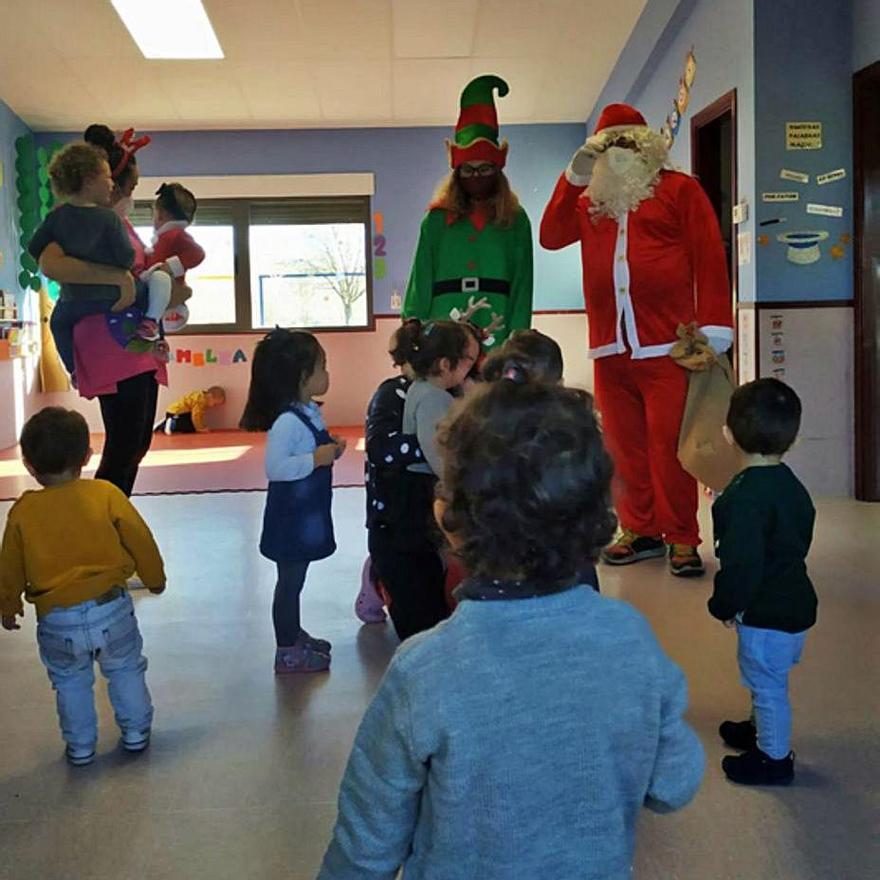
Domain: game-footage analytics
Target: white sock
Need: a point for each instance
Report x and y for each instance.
(159, 295)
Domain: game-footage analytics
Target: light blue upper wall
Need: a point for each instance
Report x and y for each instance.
(11, 127)
(804, 69)
(866, 33)
(408, 163)
(721, 34)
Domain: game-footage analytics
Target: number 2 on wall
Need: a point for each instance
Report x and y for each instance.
(379, 246)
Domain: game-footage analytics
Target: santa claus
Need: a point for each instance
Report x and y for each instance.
(653, 258)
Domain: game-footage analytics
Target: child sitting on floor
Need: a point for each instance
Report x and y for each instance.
(520, 738)
(187, 415)
(70, 548)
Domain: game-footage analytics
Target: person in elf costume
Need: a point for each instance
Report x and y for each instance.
(653, 259)
(474, 255)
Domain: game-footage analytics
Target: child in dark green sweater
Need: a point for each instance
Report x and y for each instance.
(763, 529)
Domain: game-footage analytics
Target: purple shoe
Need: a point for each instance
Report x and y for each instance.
(300, 659)
(322, 646)
(368, 606)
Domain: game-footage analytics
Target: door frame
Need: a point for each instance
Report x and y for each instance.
(865, 375)
(725, 104)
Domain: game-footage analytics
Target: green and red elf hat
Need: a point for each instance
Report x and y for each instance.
(476, 134)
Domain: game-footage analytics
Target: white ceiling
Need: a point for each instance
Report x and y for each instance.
(312, 63)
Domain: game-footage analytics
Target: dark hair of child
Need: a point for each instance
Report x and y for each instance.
(536, 356)
(402, 341)
(55, 440)
(764, 417)
(103, 137)
(433, 342)
(527, 482)
(283, 360)
(177, 201)
(72, 166)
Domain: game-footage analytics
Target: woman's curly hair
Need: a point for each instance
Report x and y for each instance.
(526, 482)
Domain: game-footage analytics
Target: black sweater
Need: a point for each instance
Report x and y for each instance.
(763, 529)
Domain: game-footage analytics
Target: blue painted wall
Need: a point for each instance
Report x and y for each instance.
(803, 58)
(721, 34)
(866, 33)
(408, 164)
(11, 127)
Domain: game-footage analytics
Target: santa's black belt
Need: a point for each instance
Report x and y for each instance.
(471, 285)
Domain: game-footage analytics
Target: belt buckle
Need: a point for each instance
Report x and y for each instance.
(470, 285)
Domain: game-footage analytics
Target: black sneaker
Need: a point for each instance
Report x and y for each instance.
(756, 768)
(630, 548)
(739, 734)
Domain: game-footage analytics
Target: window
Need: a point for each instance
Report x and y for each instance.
(299, 262)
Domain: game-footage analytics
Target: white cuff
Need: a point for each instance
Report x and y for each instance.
(176, 267)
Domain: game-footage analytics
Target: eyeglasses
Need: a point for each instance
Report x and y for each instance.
(485, 170)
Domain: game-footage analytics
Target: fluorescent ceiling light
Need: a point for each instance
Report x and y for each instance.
(169, 28)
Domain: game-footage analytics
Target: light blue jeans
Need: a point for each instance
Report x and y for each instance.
(765, 657)
(70, 641)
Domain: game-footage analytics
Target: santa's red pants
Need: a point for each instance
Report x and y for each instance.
(642, 403)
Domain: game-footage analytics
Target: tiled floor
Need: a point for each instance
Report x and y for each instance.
(242, 776)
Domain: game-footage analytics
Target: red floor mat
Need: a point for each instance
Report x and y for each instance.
(221, 461)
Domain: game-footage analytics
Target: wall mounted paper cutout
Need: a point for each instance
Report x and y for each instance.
(803, 247)
(831, 176)
(744, 248)
(780, 197)
(796, 176)
(669, 129)
(776, 322)
(740, 213)
(837, 251)
(825, 210)
(772, 221)
(396, 300)
(845, 238)
(779, 373)
(209, 356)
(803, 135)
(763, 240)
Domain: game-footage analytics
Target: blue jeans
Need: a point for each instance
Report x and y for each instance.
(765, 657)
(70, 641)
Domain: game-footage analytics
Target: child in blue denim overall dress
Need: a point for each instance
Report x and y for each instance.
(70, 548)
(289, 369)
(763, 529)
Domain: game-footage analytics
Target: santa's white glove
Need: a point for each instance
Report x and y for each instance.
(581, 166)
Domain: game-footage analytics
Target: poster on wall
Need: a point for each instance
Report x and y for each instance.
(669, 129)
(803, 135)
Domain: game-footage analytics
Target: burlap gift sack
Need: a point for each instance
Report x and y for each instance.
(702, 449)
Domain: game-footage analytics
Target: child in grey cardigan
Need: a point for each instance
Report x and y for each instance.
(521, 737)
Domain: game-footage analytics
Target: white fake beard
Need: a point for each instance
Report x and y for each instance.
(613, 194)
(124, 207)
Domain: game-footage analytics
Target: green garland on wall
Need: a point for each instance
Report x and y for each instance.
(34, 202)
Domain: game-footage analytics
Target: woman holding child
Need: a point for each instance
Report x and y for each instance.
(126, 383)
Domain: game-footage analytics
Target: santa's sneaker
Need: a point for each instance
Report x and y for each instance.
(757, 768)
(684, 561)
(300, 659)
(630, 548)
(739, 734)
(369, 606)
(148, 330)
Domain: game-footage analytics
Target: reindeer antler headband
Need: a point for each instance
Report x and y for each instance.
(129, 147)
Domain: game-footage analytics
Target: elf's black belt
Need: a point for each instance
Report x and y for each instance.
(471, 285)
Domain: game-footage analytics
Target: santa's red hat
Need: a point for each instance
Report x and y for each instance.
(619, 117)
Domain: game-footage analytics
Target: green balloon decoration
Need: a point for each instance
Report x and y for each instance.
(54, 289)
(42, 156)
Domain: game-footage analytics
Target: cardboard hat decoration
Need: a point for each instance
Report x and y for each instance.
(476, 134)
(619, 117)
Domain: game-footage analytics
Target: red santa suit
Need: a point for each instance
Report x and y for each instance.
(645, 272)
(173, 245)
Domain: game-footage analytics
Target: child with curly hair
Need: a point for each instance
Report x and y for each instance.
(521, 737)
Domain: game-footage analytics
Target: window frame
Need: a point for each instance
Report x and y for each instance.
(240, 212)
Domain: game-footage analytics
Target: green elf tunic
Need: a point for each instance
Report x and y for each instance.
(459, 263)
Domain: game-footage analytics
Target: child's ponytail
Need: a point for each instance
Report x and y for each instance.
(434, 341)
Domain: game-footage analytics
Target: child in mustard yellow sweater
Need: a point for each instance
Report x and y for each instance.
(187, 415)
(69, 549)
